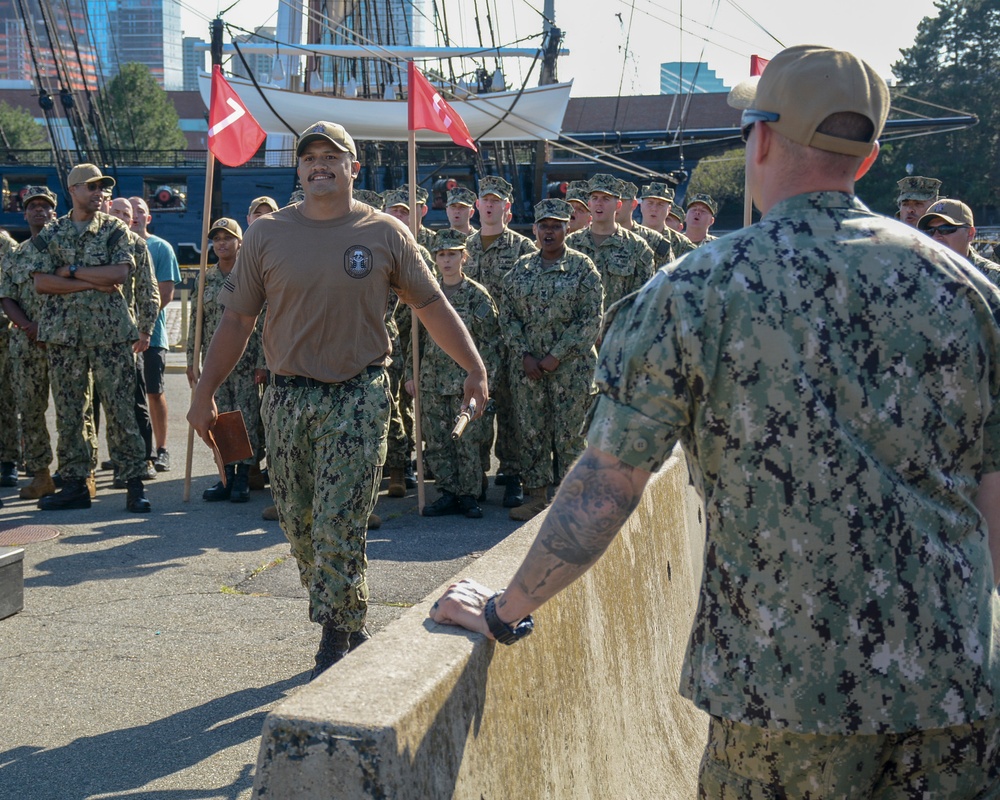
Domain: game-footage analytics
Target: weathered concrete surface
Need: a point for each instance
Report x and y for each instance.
(585, 707)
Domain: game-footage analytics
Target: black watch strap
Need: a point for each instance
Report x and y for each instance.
(502, 632)
(72, 270)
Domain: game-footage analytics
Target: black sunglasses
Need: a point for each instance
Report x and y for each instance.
(944, 230)
(752, 115)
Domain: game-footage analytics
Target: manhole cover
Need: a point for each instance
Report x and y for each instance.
(26, 534)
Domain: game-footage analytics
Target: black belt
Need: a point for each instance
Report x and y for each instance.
(302, 382)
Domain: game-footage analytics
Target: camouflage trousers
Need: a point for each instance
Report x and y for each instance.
(456, 463)
(400, 444)
(550, 414)
(10, 436)
(326, 446)
(112, 368)
(238, 392)
(31, 393)
(507, 435)
(745, 762)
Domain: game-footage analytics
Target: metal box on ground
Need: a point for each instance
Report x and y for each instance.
(11, 580)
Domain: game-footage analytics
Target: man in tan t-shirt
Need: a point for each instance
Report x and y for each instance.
(325, 268)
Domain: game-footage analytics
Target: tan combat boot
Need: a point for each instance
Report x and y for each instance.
(91, 485)
(532, 506)
(397, 482)
(41, 485)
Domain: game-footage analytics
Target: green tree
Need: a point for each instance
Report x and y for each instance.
(20, 131)
(722, 177)
(139, 113)
(953, 64)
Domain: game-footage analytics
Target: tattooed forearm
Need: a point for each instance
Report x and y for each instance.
(595, 499)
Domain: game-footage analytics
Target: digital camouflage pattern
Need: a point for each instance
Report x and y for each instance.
(10, 446)
(326, 447)
(663, 252)
(624, 260)
(833, 378)
(745, 762)
(28, 359)
(95, 317)
(555, 310)
(398, 447)
(488, 265)
(679, 243)
(238, 392)
(708, 238)
(457, 464)
(985, 266)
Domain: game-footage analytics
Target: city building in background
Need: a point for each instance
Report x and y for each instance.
(689, 77)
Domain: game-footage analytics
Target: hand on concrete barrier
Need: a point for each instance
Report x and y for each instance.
(462, 605)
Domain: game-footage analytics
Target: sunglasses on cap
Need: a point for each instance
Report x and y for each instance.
(752, 115)
(945, 230)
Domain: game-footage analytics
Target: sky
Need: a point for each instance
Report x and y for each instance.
(617, 46)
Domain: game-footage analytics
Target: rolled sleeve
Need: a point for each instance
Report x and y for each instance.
(629, 435)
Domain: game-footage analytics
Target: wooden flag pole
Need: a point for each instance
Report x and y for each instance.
(418, 438)
(200, 313)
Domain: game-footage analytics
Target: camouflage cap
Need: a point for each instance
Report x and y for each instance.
(330, 132)
(374, 199)
(89, 173)
(297, 196)
(448, 239)
(917, 187)
(659, 190)
(629, 190)
(704, 199)
(460, 196)
(421, 195)
(605, 184)
(954, 212)
(578, 192)
(228, 225)
(396, 197)
(494, 184)
(673, 212)
(38, 193)
(553, 208)
(257, 202)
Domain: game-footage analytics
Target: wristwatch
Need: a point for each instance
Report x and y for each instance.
(502, 632)
(72, 270)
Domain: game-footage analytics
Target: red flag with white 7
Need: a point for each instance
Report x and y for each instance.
(429, 111)
(233, 134)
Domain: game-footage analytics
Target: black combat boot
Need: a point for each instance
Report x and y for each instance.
(470, 507)
(240, 490)
(220, 492)
(513, 492)
(447, 503)
(74, 494)
(333, 646)
(135, 499)
(8, 473)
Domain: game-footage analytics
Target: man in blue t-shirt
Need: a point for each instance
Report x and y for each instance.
(167, 274)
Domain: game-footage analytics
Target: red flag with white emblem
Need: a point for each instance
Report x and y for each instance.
(429, 111)
(233, 134)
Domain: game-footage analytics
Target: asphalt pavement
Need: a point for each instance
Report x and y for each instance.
(151, 647)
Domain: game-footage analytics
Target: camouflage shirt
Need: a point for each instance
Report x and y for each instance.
(7, 246)
(425, 237)
(553, 309)
(91, 317)
(439, 374)
(253, 355)
(833, 377)
(985, 266)
(623, 259)
(678, 241)
(708, 238)
(17, 282)
(489, 266)
(143, 295)
(663, 249)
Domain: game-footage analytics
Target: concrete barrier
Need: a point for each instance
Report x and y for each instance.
(585, 707)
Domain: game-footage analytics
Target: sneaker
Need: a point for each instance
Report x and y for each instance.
(162, 461)
(150, 473)
(447, 503)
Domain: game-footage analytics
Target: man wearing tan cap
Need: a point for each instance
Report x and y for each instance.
(916, 195)
(951, 223)
(325, 267)
(832, 378)
(28, 362)
(89, 276)
(260, 206)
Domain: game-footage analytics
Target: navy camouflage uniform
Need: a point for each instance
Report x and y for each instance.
(623, 259)
(10, 440)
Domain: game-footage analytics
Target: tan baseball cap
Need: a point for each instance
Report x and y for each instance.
(227, 225)
(803, 85)
(954, 212)
(330, 132)
(263, 201)
(89, 173)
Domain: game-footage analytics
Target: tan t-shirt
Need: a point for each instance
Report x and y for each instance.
(326, 284)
